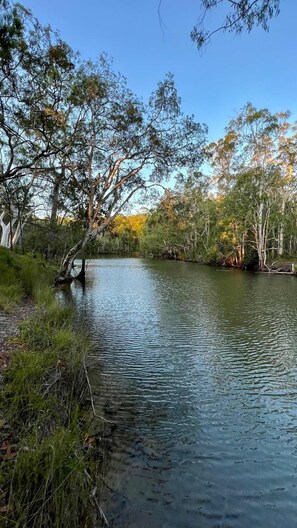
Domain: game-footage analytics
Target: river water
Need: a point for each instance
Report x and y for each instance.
(197, 367)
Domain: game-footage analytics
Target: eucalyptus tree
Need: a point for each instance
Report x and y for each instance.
(36, 121)
(287, 164)
(123, 146)
(236, 16)
(32, 98)
(164, 232)
(257, 156)
(196, 211)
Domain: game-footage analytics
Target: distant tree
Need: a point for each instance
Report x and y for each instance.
(255, 169)
(181, 225)
(128, 229)
(237, 16)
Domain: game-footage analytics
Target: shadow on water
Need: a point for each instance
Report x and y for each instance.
(197, 366)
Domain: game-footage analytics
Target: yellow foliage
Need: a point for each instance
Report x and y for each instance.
(219, 198)
(133, 224)
(58, 116)
(182, 225)
(228, 236)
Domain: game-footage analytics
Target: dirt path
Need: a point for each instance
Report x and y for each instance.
(9, 323)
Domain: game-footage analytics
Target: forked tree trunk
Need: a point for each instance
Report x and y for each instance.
(261, 231)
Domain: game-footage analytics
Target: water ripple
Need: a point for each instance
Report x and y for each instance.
(198, 367)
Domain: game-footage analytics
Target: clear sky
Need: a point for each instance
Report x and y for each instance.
(215, 84)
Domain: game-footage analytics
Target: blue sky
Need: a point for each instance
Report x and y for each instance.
(215, 84)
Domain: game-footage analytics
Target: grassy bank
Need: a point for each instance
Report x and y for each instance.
(48, 448)
(21, 276)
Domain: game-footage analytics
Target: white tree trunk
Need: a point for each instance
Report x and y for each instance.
(6, 230)
(281, 229)
(5, 235)
(9, 236)
(18, 231)
(16, 235)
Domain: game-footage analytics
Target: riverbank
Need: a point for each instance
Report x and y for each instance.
(50, 449)
(281, 266)
(284, 267)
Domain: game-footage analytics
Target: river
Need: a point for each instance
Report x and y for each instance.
(197, 366)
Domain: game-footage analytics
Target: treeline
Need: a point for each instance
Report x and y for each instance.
(76, 144)
(122, 236)
(244, 214)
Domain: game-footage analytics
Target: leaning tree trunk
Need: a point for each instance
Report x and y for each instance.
(65, 273)
(16, 235)
(18, 232)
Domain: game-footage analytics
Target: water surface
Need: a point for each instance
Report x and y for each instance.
(198, 367)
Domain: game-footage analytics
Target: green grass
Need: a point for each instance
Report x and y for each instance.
(49, 466)
(20, 276)
(9, 296)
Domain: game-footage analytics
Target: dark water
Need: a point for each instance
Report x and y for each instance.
(199, 368)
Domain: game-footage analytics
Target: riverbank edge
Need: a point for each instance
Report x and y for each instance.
(276, 267)
(51, 454)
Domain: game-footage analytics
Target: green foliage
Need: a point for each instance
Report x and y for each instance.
(254, 212)
(183, 225)
(10, 295)
(100, 144)
(50, 241)
(11, 28)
